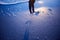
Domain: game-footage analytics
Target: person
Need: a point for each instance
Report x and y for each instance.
(31, 6)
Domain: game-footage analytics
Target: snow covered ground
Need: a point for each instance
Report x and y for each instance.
(16, 23)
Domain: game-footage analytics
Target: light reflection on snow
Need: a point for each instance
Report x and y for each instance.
(43, 10)
(41, 2)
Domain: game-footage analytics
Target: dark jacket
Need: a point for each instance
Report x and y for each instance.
(31, 1)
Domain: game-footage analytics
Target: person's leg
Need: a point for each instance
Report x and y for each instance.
(30, 7)
(33, 8)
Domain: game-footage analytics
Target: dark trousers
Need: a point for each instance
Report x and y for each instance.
(31, 7)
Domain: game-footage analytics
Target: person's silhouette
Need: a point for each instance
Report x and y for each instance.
(31, 6)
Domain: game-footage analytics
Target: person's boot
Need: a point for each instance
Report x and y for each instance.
(31, 12)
